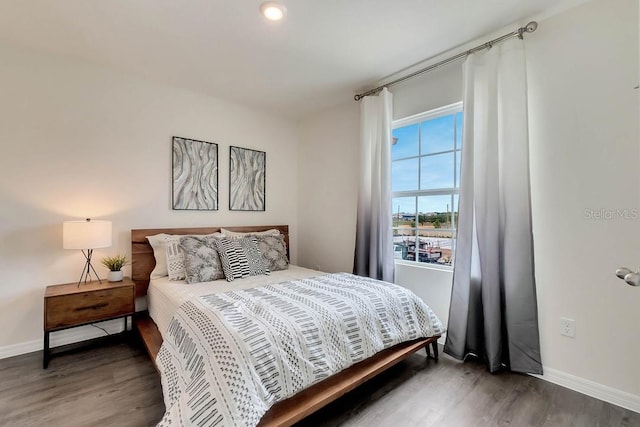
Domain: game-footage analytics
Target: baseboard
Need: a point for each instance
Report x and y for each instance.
(67, 336)
(593, 389)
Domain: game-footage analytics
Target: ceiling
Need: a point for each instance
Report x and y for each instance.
(318, 57)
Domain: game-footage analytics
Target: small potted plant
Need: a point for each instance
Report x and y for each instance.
(115, 264)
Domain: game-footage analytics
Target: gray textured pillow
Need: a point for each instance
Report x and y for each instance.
(159, 244)
(240, 258)
(238, 234)
(274, 252)
(201, 260)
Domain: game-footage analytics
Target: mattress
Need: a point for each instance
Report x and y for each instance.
(165, 296)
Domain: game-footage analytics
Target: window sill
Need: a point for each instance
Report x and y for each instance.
(426, 266)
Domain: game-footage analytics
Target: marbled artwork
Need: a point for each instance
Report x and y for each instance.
(247, 169)
(195, 174)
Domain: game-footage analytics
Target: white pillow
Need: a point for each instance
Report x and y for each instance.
(159, 244)
(237, 235)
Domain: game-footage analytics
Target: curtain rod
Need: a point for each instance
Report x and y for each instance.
(529, 28)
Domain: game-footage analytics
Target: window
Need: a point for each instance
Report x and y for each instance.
(425, 177)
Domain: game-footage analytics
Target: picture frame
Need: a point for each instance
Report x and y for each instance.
(194, 174)
(247, 179)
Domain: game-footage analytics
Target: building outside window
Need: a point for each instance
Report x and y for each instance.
(425, 176)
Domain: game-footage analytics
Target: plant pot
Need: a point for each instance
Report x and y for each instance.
(115, 276)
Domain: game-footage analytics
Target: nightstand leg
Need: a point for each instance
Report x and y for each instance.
(45, 351)
(125, 323)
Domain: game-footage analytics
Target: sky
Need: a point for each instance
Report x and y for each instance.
(431, 172)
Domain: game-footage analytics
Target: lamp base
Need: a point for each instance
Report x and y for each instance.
(88, 268)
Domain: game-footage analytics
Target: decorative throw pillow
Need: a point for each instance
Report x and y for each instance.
(201, 260)
(274, 252)
(236, 234)
(175, 259)
(159, 244)
(240, 258)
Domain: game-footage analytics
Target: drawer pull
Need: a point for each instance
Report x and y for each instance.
(92, 307)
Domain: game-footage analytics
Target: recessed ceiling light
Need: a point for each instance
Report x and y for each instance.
(273, 11)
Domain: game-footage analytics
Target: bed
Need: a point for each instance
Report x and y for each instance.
(292, 409)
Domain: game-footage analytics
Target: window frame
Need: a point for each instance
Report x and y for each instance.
(451, 109)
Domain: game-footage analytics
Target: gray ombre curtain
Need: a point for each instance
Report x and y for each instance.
(493, 312)
(374, 238)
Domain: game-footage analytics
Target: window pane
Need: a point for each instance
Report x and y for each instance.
(458, 130)
(458, 158)
(404, 175)
(434, 246)
(404, 212)
(437, 135)
(436, 172)
(405, 142)
(435, 229)
(404, 244)
(434, 211)
(455, 211)
(404, 223)
(455, 226)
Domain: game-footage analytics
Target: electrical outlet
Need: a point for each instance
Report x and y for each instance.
(317, 267)
(567, 327)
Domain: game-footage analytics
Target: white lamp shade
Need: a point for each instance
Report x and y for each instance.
(87, 234)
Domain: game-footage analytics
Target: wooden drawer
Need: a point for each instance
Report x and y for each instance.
(78, 308)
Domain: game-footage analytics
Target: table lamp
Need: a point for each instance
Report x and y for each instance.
(86, 235)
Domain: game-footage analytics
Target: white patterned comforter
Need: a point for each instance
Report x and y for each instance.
(228, 357)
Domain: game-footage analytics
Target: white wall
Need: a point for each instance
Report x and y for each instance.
(327, 185)
(582, 67)
(432, 284)
(584, 115)
(81, 141)
(442, 86)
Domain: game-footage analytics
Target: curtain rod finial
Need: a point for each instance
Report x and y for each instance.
(529, 28)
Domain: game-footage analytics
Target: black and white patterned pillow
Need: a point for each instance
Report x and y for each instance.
(201, 260)
(240, 258)
(274, 252)
(175, 259)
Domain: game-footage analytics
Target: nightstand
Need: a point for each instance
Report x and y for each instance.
(69, 305)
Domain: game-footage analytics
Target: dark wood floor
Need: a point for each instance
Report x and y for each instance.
(112, 383)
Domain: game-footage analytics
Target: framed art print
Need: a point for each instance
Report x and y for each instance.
(247, 170)
(195, 174)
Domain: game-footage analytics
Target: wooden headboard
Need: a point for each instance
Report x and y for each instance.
(143, 261)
